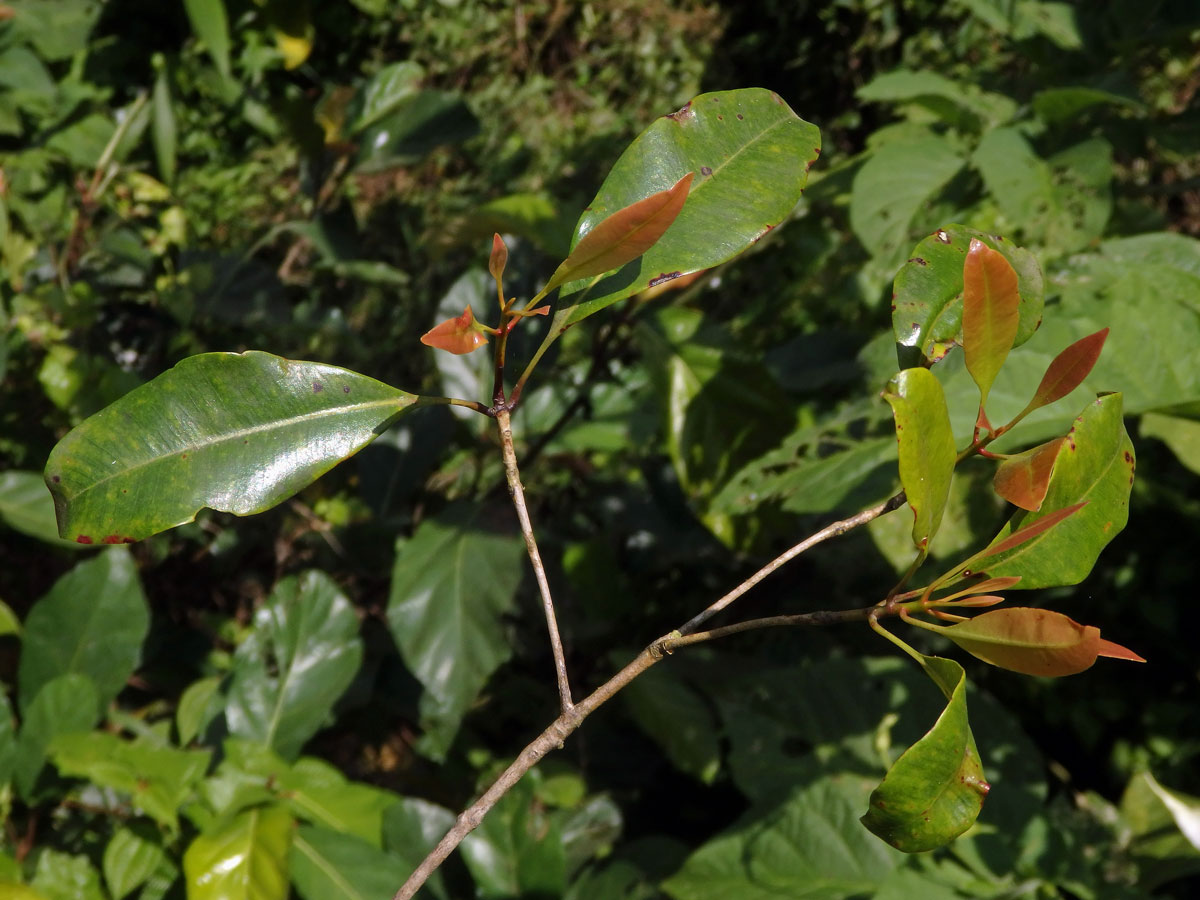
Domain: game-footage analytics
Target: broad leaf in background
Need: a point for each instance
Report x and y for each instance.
(327, 865)
(27, 507)
(411, 828)
(66, 705)
(891, 188)
(92, 622)
(132, 856)
(991, 314)
(302, 654)
(1096, 466)
(1180, 433)
(452, 582)
(387, 89)
(927, 312)
(1165, 831)
(623, 236)
(517, 850)
(1024, 478)
(235, 432)
(245, 859)
(65, 876)
(810, 846)
(158, 779)
(935, 790)
(751, 156)
(211, 25)
(927, 451)
(1034, 642)
(416, 124)
(678, 719)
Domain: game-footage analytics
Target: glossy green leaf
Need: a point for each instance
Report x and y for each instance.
(131, 857)
(517, 850)
(301, 656)
(236, 432)
(891, 188)
(66, 705)
(1097, 466)
(1024, 478)
(452, 582)
(927, 309)
(1033, 641)
(92, 622)
(418, 124)
(751, 155)
(808, 846)
(935, 790)
(326, 865)
(991, 312)
(624, 235)
(678, 719)
(246, 859)
(926, 444)
(317, 792)
(158, 779)
(26, 506)
(211, 25)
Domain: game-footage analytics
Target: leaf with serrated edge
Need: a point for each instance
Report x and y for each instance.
(623, 236)
(991, 313)
(935, 790)
(927, 451)
(234, 432)
(1023, 478)
(1032, 641)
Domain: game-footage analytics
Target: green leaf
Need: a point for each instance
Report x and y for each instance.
(810, 847)
(1165, 831)
(517, 850)
(677, 718)
(91, 622)
(245, 859)
(317, 792)
(387, 89)
(326, 865)
(927, 308)
(751, 155)
(416, 125)
(990, 314)
(1055, 105)
(301, 656)
(411, 828)
(927, 451)
(164, 134)
(157, 779)
(131, 857)
(891, 188)
(211, 25)
(198, 706)
(452, 582)
(1096, 466)
(26, 506)
(8, 741)
(236, 432)
(959, 104)
(65, 876)
(935, 790)
(1181, 435)
(63, 706)
(624, 236)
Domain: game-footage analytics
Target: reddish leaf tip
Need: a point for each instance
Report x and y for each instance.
(458, 335)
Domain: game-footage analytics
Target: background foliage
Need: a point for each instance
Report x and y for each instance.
(315, 690)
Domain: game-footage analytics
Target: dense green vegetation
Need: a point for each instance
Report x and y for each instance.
(321, 687)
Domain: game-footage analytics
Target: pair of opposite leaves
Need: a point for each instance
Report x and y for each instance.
(615, 241)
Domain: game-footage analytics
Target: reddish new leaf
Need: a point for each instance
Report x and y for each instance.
(1068, 370)
(1033, 641)
(1045, 523)
(499, 258)
(623, 236)
(991, 314)
(1023, 478)
(458, 335)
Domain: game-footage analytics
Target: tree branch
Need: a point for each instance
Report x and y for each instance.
(572, 716)
(833, 530)
(504, 422)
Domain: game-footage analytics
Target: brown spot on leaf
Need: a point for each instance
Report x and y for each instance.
(682, 114)
(740, 117)
(116, 539)
(942, 236)
(917, 260)
(318, 387)
(1128, 457)
(705, 170)
(83, 539)
(56, 479)
(345, 389)
(663, 278)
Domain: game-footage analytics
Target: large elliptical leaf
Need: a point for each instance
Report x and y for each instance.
(935, 790)
(244, 859)
(235, 432)
(927, 306)
(927, 451)
(1095, 466)
(750, 154)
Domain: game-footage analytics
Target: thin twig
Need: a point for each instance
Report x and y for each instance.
(833, 530)
(504, 423)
